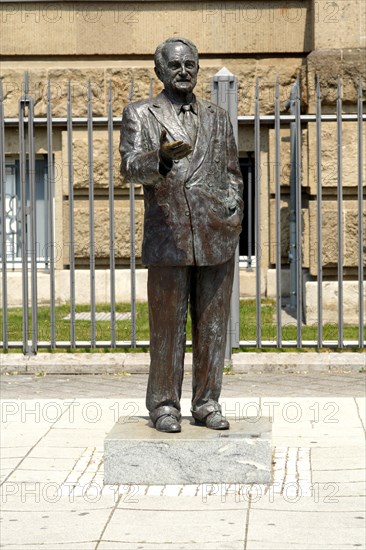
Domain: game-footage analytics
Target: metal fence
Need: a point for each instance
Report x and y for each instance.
(28, 125)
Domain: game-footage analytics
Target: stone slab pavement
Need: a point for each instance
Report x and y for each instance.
(53, 498)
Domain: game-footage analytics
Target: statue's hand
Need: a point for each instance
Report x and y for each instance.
(174, 149)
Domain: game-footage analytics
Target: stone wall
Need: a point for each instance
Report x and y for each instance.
(339, 24)
(100, 161)
(122, 73)
(101, 229)
(135, 28)
(327, 64)
(350, 65)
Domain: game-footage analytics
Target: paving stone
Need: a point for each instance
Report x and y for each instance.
(68, 525)
(348, 456)
(38, 476)
(167, 527)
(56, 452)
(340, 475)
(47, 464)
(361, 408)
(212, 545)
(52, 546)
(303, 528)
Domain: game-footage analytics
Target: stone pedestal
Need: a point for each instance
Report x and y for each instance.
(134, 452)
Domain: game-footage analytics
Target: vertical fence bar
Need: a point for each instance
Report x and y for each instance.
(291, 104)
(51, 234)
(33, 224)
(71, 218)
(257, 199)
(112, 263)
(4, 286)
(91, 218)
(249, 210)
(132, 250)
(278, 216)
(298, 216)
(360, 219)
(340, 214)
(319, 217)
(23, 215)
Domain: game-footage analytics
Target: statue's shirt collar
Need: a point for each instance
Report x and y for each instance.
(178, 105)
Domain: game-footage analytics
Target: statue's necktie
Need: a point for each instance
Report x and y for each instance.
(189, 120)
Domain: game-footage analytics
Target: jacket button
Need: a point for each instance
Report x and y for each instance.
(187, 186)
(176, 161)
(187, 213)
(217, 159)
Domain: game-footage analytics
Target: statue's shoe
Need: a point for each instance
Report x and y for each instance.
(214, 421)
(167, 423)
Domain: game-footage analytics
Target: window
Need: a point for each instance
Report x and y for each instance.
(13, 212)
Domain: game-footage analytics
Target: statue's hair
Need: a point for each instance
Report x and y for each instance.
(158, 57)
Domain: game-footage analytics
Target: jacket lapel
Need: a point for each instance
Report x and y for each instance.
(164, 112)
(205, 128)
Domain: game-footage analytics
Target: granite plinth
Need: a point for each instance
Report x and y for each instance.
(134, 452)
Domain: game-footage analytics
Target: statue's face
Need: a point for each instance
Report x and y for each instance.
(179, 71)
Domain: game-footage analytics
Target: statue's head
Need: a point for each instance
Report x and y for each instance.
(176, 65)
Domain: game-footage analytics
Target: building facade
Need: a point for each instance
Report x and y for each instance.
(113, 42)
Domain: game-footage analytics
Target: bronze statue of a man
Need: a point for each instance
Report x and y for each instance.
(182, 150)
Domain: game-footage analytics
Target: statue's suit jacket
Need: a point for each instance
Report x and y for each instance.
(193, 214)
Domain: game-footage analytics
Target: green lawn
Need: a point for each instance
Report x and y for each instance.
(123, 328)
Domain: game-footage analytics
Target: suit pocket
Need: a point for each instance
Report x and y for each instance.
(223, 214)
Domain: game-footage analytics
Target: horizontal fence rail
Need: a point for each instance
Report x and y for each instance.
(19, 224)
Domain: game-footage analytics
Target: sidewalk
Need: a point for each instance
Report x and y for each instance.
(134, 363)
(53, 498)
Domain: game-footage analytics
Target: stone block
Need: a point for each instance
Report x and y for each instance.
(285, 232)
(271, 283)
(339, 24)
(285, 159)
(246, 140)
(330, 302)
(11, 142)
(329, 151)
(79, 78)
(330, 255)
(134, 452)
(247, 282)
(247, 70)
(13, 88)
(131, 81)
(100, 160)
(102, 286)
(328, 64)
(286, 70)
(101, 229)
